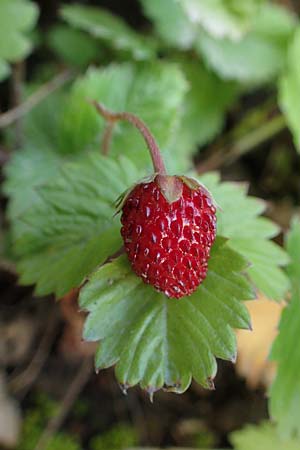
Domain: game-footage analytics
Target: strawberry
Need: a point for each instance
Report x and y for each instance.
(168, 243)
(168, 222)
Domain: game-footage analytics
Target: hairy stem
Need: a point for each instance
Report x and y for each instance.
(107, 136)
(111, 117)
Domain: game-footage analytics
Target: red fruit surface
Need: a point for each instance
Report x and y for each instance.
(168, 244)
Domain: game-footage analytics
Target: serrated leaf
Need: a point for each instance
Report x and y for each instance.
(28, 169)
(203, 112)
(153, 91)
(256, 58)
(73, 46)
(111, 29)
(289, 88)
(285, 391)
(158, 342)
(220, 18)
(170, 22)
(238, 220)
(17, 18)
(263, 436)
(72, 228)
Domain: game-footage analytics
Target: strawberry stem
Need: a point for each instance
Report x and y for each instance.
(111, 117)
(107, 136)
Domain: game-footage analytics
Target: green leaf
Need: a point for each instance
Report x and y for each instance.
(41, 125)
(153, 91)
(276, 23)
(39, 160)
(289, 87)
(251, 60)
(170, 23)
(73, 46)
(111, 29)
(259, 56)
(26, 170)
(17, 18)
(285, 391)
(159, 342)
(71, 228)
(222, 18)
(293, 249)
(263, 436)
(4, 69)
(203, 112)
(238, 220)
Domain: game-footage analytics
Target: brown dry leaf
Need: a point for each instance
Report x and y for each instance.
(71, 344)
(254, 347)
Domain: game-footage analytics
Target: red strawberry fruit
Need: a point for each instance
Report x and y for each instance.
(168, 224)
(168, 243)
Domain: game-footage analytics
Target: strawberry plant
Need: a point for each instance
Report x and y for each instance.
(119, 187)
(72, 227)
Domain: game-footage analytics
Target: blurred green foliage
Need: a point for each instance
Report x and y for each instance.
(17, 19)
(120, 437)
(262, 437)
(35, 421)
